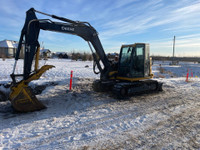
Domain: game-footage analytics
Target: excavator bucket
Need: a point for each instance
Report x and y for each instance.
(22, 97)
(25, 101)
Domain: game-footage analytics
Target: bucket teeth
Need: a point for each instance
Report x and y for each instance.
(22, 97)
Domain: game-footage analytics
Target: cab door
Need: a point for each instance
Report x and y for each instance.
(137, 66)
(125, 61)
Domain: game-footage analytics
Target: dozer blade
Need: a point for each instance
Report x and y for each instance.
(22, 98)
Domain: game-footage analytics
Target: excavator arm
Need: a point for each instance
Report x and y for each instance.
(21, 96)
(30, 33)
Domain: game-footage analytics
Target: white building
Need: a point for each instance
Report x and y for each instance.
(8, 49)
(45, 53)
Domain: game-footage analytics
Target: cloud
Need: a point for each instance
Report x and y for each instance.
(155, 15)
(120, 3)
(186, 45)
(180, 28)
(196, 36)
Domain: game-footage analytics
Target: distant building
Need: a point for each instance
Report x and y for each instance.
(8, 49)
(45, 53)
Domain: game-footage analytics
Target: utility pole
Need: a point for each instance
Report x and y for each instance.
(173, 61)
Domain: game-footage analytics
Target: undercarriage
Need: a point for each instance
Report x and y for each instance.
(126, 89)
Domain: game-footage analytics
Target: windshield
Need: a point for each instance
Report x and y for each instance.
(126, 56)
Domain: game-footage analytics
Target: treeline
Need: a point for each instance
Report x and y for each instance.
(74, 56)
(167, 58)
(81, 56)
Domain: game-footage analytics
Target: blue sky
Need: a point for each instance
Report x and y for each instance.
(117, 22)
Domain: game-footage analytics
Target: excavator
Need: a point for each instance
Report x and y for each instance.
(131, 75)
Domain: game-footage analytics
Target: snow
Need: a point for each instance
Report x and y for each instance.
(84, 119)
(61, 72)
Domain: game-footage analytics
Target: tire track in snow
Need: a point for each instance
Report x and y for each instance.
(165, 134)
(99, 124)
(111, 121)
(136, 126)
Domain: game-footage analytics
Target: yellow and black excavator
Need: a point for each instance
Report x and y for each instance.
(131, 75)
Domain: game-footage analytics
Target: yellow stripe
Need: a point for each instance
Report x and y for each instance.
(112, 72)
(133, 79)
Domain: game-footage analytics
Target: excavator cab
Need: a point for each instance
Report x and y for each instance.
(134, 62)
